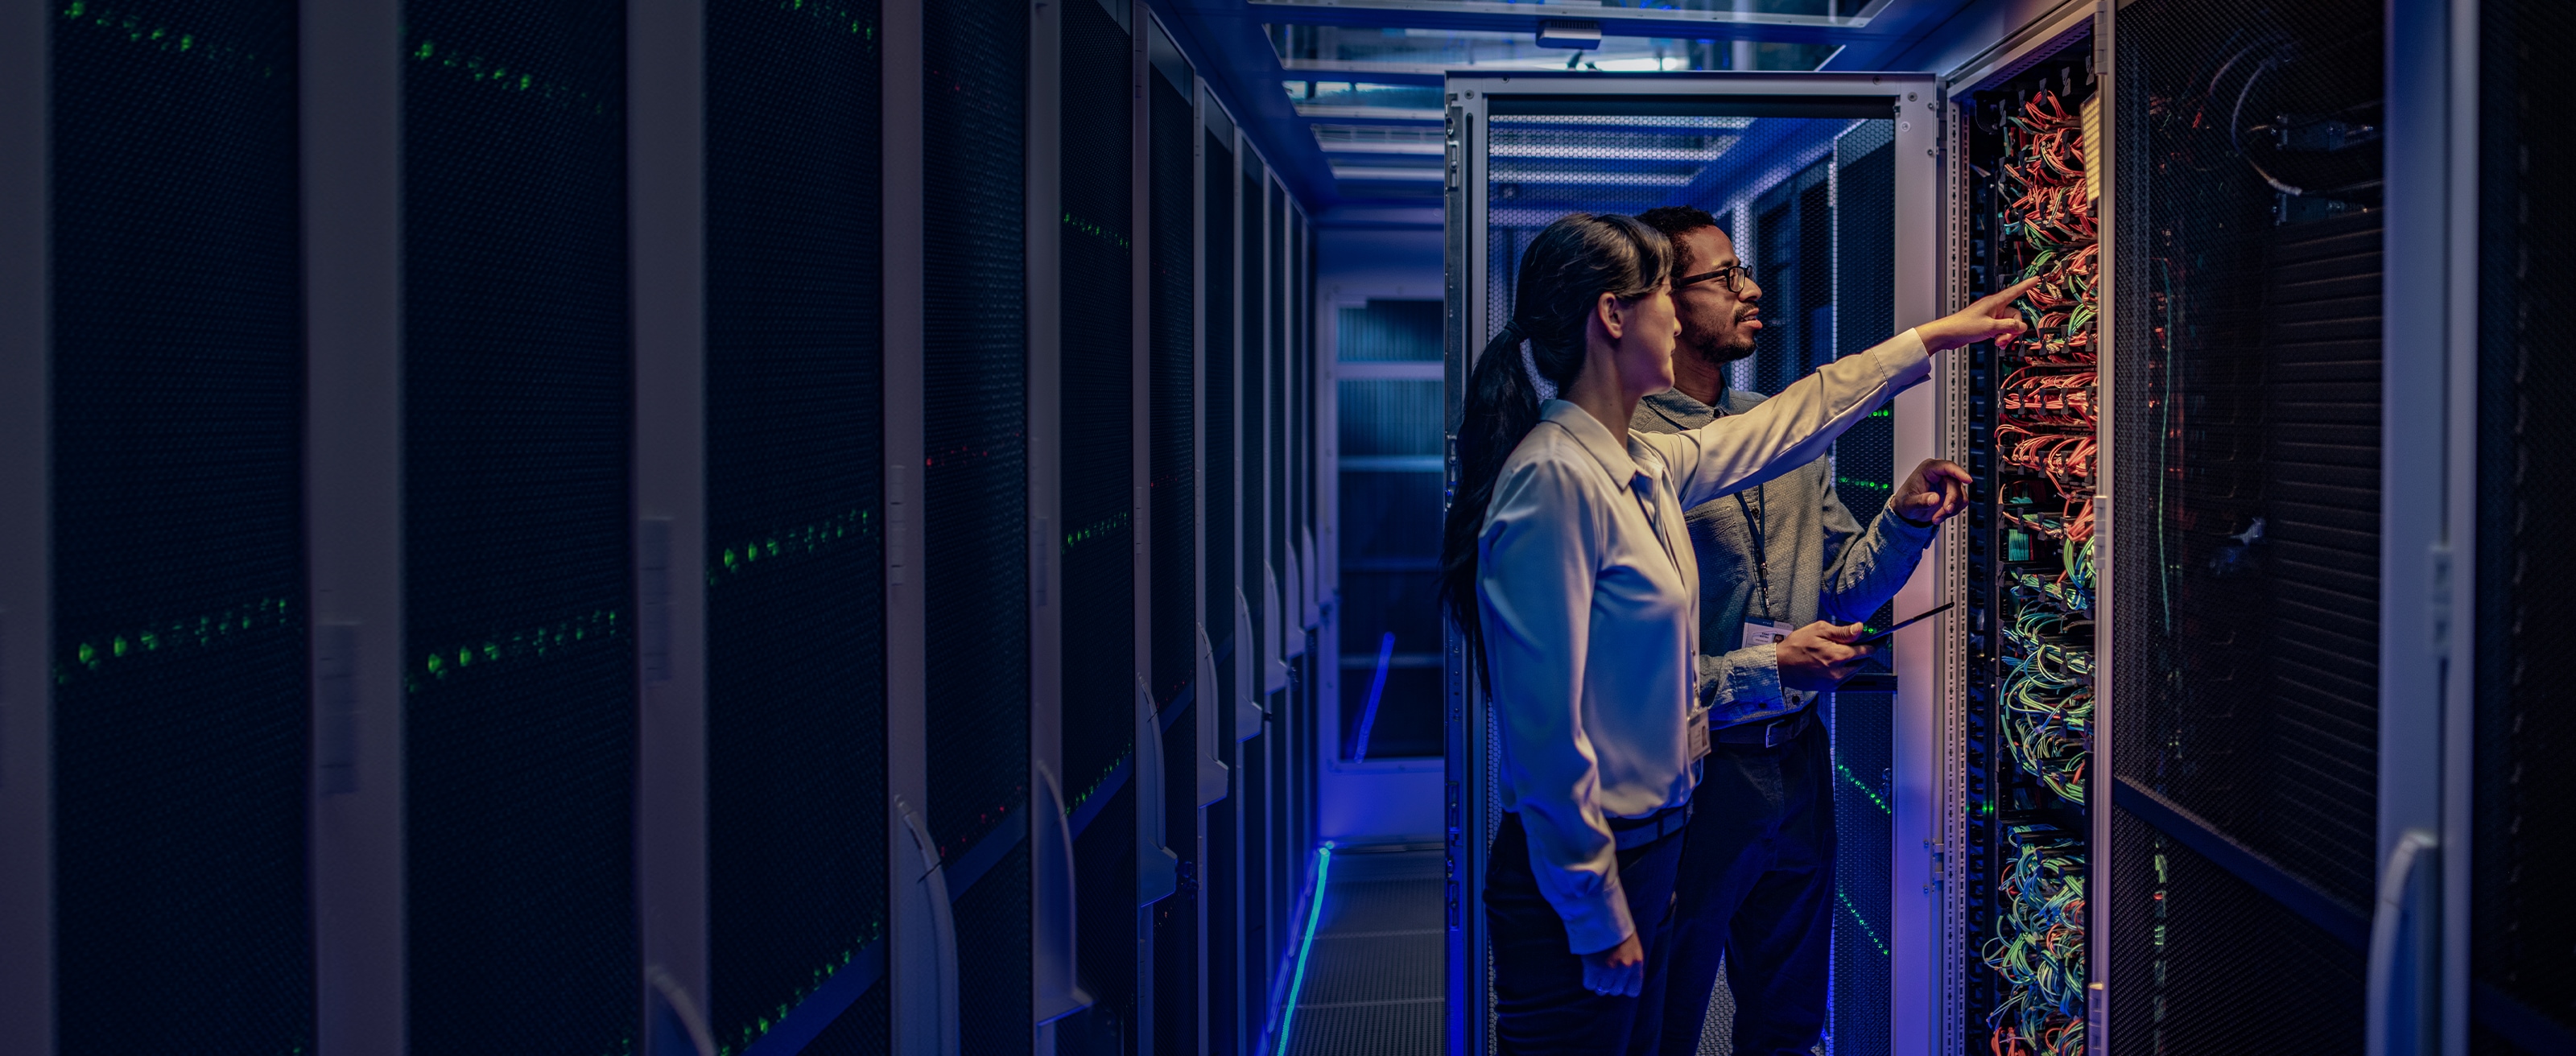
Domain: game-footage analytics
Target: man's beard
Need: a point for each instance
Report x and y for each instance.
(1718, 351)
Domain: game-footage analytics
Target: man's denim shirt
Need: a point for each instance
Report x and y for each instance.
(1822, 565)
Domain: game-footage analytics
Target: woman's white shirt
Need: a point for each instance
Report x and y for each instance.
(1589, 592)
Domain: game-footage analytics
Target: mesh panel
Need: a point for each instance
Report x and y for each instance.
(975, 531)
(2249, 689)
(1224, 879)
(1098, 533)
(861, 1030)
(1280, 400)
(1104, 856)
(1863, 313)
(2186, 938)
(2522, 925)
(1254, 395)
(993, 925)
(795, 737)
(519, 729)
(1216, 405)
(1174, 451)
(180, 686)
(1176, 919)
(2248, 682)
(1251, 796)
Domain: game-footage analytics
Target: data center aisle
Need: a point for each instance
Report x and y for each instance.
(1373, 973)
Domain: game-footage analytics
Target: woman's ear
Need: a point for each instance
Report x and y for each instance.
(1612, 314)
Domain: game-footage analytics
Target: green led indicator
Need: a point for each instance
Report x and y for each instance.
(803, 541)
(1095, 230)
(1865, 929)
(95, 654)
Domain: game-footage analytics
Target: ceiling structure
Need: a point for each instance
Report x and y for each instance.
(1343, 96)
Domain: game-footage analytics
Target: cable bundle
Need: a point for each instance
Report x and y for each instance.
(2046, 442)
(2053, 214)
(2039, 947)
(2048, 702)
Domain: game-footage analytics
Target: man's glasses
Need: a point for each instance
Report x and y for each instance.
(1735, 276)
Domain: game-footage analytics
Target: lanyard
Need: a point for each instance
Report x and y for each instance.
(1761, 560)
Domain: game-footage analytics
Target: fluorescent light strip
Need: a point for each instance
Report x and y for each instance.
(1586, 179)
(1386, 112)
(1418, 175)
(1314, 913)
(1363, 146)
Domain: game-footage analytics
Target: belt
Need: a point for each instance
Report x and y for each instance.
(1771, 734)
(1632, 833)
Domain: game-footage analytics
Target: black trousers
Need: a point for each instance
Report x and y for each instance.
(1755, 889)
(1541, 1007)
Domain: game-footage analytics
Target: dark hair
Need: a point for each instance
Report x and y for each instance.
(1569, 265)
(1677, 220)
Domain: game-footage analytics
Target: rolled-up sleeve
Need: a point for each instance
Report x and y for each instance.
(1793, 428)
(1536, 565)
(1740, 685)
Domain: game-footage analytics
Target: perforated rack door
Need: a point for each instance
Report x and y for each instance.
(519, 671)
(1097, 536)
(2245, 663)
(2521, 924)
(1171, 391)
(976, 531)
(795, 538)
(1173, 429)
(1217, 412)
(179, 672)
(1757, 150)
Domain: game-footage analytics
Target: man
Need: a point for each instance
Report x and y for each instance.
(1756, 880)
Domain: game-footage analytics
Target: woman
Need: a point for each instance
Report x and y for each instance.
(1566, 561)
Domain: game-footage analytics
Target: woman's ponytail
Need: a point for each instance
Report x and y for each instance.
(1566, 270)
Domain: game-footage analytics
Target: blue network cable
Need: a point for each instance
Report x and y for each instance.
(1314, 913)
(1377, 688)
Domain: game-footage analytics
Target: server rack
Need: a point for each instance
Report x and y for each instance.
(172, 379)
(1102, 536)
(795, 527)
(1170, 971)
(2188, 743)
(2485, 178)
(613, 377)
(519, 602)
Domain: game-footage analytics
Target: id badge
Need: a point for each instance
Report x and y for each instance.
(1764, 632)
(1697, 729)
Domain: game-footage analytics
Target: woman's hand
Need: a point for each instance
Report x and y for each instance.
(1936, 492)
(1992, 318)
(1619, 971)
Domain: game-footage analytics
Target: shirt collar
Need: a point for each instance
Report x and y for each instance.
(1595, 439)
(1683, 411)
